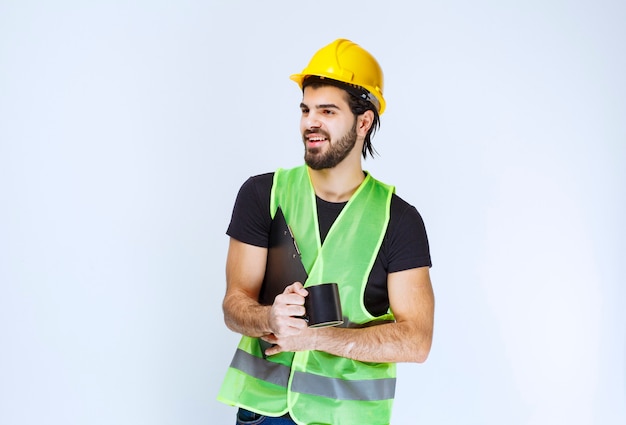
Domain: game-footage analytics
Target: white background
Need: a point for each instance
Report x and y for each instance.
(126, 129)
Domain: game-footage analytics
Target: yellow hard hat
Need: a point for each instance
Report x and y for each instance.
(345, 61)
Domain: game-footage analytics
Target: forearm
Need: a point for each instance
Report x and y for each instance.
(246, 316)
(392, 342)
(406, 340)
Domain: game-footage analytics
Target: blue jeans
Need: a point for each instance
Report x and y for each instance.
(245, 417)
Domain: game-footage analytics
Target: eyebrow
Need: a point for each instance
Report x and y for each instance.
(321, 106)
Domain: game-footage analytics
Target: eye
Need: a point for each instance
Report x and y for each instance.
(328, 112)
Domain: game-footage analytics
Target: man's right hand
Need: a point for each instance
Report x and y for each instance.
(285, 316)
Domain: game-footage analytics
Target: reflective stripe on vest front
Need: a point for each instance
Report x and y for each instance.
(317, 387)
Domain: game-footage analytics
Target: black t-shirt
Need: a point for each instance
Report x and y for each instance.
(405, 245)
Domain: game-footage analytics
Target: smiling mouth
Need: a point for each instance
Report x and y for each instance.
(315, 139)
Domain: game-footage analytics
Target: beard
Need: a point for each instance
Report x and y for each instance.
(336, 152)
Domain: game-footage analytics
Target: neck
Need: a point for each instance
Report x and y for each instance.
(337, 184)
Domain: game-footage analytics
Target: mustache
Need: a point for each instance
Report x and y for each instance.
(320, 132)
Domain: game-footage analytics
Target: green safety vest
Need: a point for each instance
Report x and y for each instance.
(313, 386)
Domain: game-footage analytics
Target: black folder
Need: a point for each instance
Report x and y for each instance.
(284, 263)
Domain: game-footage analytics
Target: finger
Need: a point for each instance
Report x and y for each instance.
(294, 311)
(290, 298)
(287, 307)
(296, 288)
(292, 288)
(269, 338)
(290, 327)
(299, 288)
(298, 323)
(274, 349)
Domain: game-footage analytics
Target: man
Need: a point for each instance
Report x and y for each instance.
(351, 229)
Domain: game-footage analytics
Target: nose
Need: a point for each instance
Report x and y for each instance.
(311, 120)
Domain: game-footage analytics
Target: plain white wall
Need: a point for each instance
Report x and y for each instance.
(126, 129)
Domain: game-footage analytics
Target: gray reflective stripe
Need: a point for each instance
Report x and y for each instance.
(275, 373)
(341, 389)
(308, 383)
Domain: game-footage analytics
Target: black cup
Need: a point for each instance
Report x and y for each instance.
(322, 305)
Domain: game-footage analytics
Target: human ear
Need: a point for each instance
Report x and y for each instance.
(364, 122)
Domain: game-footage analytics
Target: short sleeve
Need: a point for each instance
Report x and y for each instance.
(407, 243)
(250, 220)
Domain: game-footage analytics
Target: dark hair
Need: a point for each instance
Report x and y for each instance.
(359, 106)
(358, 103)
